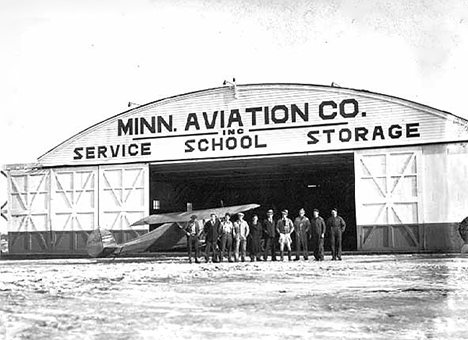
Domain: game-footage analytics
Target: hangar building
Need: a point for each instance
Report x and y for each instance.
(395, 169)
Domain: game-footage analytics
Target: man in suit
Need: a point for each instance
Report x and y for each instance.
(269, 235)
(211, 230)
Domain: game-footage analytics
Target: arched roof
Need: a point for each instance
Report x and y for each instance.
(274, 93)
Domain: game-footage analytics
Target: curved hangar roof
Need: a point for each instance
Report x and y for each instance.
(257, 119)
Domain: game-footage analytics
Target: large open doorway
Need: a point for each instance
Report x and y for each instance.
(318, 181)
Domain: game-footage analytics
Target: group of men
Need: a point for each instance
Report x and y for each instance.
(226, 238)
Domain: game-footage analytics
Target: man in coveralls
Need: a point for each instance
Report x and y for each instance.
(336, 226)
(241, 231)
(285, 227)
(317, 233)
(226, 231)
(193, 232)
(269, 234)
(211, 230)
(301, 228)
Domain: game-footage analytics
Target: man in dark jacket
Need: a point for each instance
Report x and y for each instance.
(211, 231)
(336, 226)
(269, 235)
(255, 237)
(317, 228)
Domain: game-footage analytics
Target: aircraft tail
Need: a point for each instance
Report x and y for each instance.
(101, 243)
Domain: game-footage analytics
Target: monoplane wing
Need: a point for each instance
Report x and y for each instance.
(201, 214)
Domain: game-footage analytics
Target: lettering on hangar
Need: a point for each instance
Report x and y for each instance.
(247, 128)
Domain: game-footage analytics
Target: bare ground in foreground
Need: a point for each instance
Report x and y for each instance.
(361, 297)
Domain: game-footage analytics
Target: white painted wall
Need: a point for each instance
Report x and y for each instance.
(445, 193)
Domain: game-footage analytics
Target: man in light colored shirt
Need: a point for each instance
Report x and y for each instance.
(193, 232)
(241, 231)
(285, 227)
(226, 231)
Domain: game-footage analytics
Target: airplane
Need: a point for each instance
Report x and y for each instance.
(101, 243)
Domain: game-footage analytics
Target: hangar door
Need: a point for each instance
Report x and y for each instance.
(123, 199)
(29, 227)
(74, 207)
(54, 210)
(388, 200)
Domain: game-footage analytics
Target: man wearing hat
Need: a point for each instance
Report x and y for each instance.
(269, 234)
(301, 229)
(226, 232)
(193, 232)
(285, 227)
(241, 231)
(211, 230)
(336, 226)
(317, 228)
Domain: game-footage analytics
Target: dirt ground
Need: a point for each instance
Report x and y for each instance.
(361, 297)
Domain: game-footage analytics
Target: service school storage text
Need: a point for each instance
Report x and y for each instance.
(250, 128)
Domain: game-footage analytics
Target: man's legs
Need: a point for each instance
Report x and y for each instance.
(332, 240)
(267, 248)
(236, 249)
(207, 250)
(339, 238)
(197, 249)
(273, 249)
(215, 251)
(229, 246)
(298, 246)
(223, 246)
(281, 249)
(243, 245)
(315, 246)
(304, 246)
(189, 246)
(320, 250)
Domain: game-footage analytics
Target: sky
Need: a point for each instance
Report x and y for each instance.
(66, 65)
